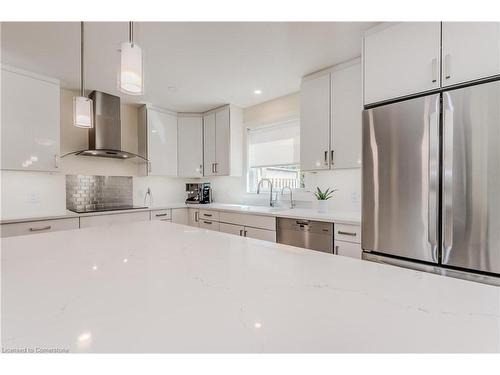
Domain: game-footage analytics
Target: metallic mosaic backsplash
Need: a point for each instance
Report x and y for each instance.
(86, 192)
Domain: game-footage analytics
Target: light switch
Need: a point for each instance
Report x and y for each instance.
(33, 197)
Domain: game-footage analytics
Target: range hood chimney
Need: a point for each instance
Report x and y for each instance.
(105, 136)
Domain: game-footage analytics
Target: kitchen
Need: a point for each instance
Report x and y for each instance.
(257, 197)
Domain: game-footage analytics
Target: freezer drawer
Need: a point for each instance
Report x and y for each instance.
(401, 179)
(471, 178)
(314, 235)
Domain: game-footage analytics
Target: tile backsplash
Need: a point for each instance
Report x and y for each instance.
(84, 192)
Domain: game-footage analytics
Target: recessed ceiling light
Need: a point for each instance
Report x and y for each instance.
(257, 92)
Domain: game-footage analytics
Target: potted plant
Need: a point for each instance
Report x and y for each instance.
(322, 197)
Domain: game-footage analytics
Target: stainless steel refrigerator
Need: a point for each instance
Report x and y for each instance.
(431, 182)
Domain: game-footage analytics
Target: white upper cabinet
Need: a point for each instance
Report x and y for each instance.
(315, 123)
(160, 127)
(471, 50)
(223, 142)
(30, 108)
(346, 110)
(209, 158)
(330, 118)
(190, 145)
(401, 59)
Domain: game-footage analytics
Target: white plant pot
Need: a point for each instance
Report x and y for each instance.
(322, 206)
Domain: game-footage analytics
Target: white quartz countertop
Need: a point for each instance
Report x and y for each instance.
(295, 213)
(163, 287)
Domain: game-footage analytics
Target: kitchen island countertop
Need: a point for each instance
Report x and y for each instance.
(163, 287)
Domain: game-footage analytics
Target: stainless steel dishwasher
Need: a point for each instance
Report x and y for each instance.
(314, 235)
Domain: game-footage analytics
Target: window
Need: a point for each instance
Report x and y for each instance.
(274, 153)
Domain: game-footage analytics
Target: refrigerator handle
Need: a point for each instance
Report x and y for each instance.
(447, 176)
(433, 176)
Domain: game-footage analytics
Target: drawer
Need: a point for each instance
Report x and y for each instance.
(161, 215)
(42, 226)
(112, 219)
(248, 220)
(209, 224)
(348, 249)
(347, 232)
(260, 234)
(210, 215)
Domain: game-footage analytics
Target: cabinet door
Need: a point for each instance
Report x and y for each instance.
(194, 217)
(30, 122)
(209, 224)
(315, 123)
(231, 229)
(180, 216)
(209, 145)
(190, 146)
(346, 109)
(260, 234)
(471, 50)
(348, 249)
(222, 142)
(401, 59)
(162, 143)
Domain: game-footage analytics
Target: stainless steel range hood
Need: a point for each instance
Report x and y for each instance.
(105, 136)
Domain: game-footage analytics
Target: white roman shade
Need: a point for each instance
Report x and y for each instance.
(274, 145)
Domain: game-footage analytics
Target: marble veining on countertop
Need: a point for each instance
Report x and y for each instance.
(163, 287)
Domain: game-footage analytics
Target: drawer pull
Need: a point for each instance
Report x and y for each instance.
(40, 228)
(241, 232)
(159, 215)
(207, 215)
(347, 233)
(208, 222)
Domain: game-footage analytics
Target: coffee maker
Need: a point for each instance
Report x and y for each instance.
(198, 193)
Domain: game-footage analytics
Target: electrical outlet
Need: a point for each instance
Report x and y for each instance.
(33, 197)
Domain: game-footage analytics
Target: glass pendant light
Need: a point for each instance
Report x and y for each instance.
(131, 73)
(83, 116)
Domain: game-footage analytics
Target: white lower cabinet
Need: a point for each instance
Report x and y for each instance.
(209, 224)
(348, 249)
(105, 220)
(163, 215)
(180, 216)
(347, 240)
(194, 217)
(239, 230)
(260, 234)
(41, 226)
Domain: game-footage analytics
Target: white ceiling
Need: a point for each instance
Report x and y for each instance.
(204, 64)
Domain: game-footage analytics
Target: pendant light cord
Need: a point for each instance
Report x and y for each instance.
(82, 91)
(131, 33)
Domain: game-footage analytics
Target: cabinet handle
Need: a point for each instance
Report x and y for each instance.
(326, 157)
(347, 233)
(159, 215)
(207, 215)
(241, 232)
(244, 233)
(447, 66)
(196, 219)
(207, 222)
(331, 158)
(149, 167)
(216, 167)
(56, 161)
(36, 229)
(213, 167)
(336, 251)
(201, 169)
(434, 70)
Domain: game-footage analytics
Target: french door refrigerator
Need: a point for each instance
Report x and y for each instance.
(431, 183)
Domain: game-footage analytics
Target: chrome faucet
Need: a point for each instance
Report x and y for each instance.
(272, 203)
(292, 203)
